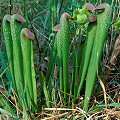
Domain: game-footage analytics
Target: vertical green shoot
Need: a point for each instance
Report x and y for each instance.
(52, 60)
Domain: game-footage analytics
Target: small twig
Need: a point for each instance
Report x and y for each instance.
(90, 118)
(60, 109)
(81, 111)
(103, 87)
(56, 116)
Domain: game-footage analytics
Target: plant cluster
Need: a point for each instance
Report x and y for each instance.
(67, 74)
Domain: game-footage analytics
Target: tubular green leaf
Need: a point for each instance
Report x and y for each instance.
(9, 46)
(103, 23)
(91, 30)
(60, 61)
(30, 82)
(16, 26)
(64, 32)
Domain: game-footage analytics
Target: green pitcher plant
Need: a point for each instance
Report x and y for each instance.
(27, 38)
(9, 46)
(76, 73)
(103, 24)
(20, 57)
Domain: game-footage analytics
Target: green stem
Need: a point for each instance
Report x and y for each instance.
(26, 13)
(45, 90)
(52, 60)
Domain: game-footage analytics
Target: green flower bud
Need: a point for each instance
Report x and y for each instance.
(81, 19)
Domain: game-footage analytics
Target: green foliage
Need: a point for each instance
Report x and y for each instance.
(64, 33)
(117, 24)
(81, 16)
(20, 56)
(74, 48)
(9, 45)
(100, 38)
(91, 31)
(29, 74)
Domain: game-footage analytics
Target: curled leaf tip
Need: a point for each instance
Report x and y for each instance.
(71, 18)
(56, 28)
(7, 18)
(102, 6)
(65, 14)
(93, 18)
(19, 18)
(90, 7)
(28, 33)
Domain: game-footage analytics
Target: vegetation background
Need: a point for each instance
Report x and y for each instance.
(43, 15)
